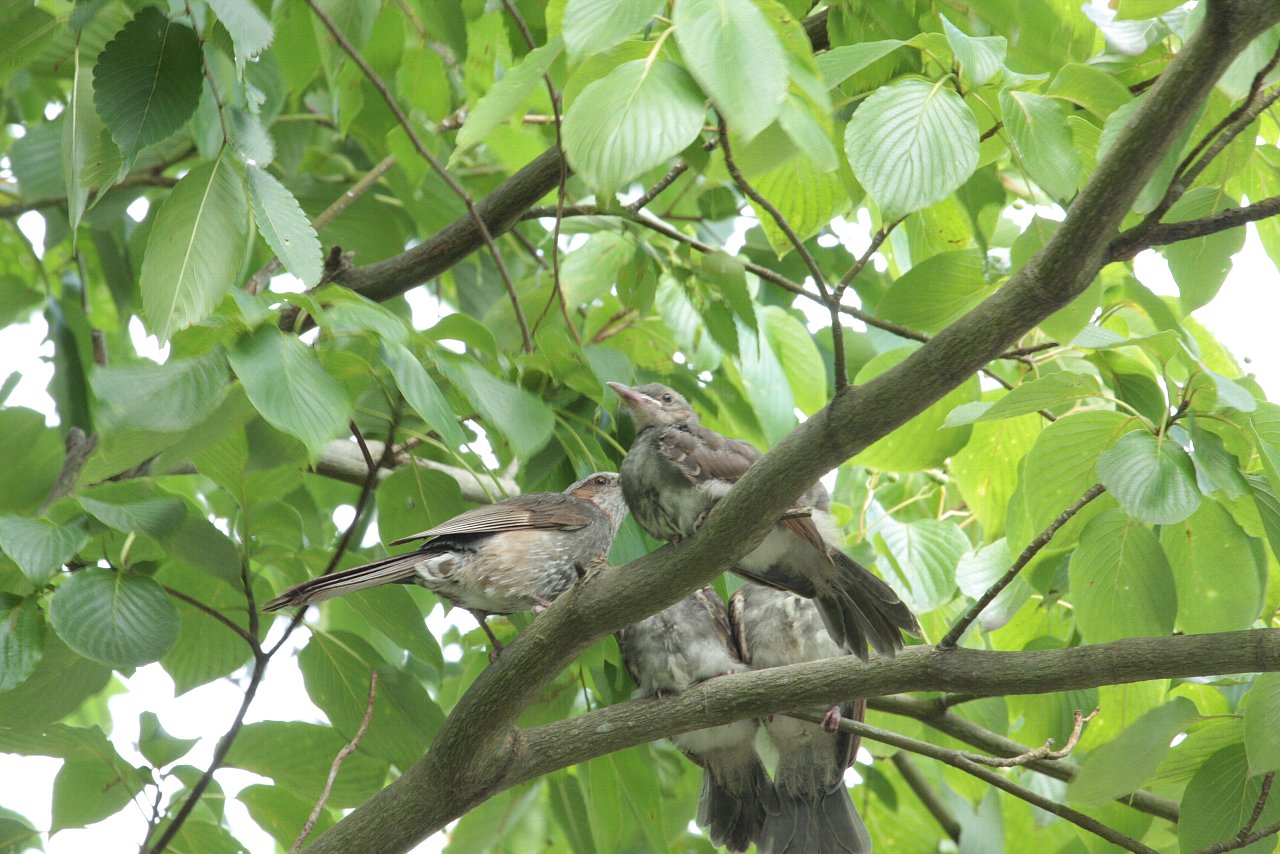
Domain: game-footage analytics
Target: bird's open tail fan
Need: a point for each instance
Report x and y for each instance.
(828, 824)
(386, 571)
(861, 610)
(737, 798)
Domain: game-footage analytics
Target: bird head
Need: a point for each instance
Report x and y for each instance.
(603, 489)
(655, 405)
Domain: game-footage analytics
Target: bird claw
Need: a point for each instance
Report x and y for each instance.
(539, 604)
(831, 720)
(697, 523)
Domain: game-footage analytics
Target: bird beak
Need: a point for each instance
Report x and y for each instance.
(631, 396)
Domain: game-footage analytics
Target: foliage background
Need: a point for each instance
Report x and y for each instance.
(171, 499)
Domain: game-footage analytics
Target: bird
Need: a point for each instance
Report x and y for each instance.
(674, 650)
(815, 813)
(675, 472)
(517, 554)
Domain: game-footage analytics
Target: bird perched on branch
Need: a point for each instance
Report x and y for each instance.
(677, 470)
(815, 813)
(514, 555)
(674, 650)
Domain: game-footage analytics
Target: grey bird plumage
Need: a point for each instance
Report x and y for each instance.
(674, 650)
(677, 470)
(514, 555)
(773, 628)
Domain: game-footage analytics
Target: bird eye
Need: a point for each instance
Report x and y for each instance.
(667, 398)
(601, 480)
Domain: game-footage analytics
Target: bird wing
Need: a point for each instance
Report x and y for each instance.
(738, 624)
(624, 637)
(703, 454)
(535, 511)
(707, 598)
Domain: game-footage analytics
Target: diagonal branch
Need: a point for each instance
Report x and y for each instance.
(1133, 241)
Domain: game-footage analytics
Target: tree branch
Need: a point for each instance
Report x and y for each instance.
(1133, 241)
(477, 754)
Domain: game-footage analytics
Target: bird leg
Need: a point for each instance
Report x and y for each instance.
(539, 604)
(495, 648)
(831, 720)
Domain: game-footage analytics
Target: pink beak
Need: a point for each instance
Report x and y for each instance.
(631, 396)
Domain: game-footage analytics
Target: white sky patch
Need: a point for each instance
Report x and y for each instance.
(31, 224)
(287, 283)
(145, 344)
(343, 516)
(137, 209)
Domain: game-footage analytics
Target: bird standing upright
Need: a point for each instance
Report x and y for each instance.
(815, 813)
(514, 555)
(677, 470)
(670, 652)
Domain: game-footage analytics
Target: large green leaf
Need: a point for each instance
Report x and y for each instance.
(806, 198)
(285, 382)
(298, 756)
(986, 469)
(1219, 589)
(89, 790)
(1151, 476)
(1042, 141)
(147, 81)
(980, 58)
(591, 26)
(977, 571)
(195, 248)
(734, 55)
(284, 226)
(422, 393)
(636, 117)
(118, 618)
(159, 747)
(1261, 723)
(250, 30)
(1121, 583)
(925, 554)
(1032, 395)
(522, 418)
(168, 398)
(1200, 265)
(280, 812)
(1092, 88)
(840, 63)
(1125, 763)
(21, 639)
(38, 547)
(936, 291)
(61, 682)
(911, 144)
(505, 97)
(80, 132)
(1220, 799)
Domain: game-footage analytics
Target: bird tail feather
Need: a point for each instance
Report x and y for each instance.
(386, 571)
(826, 824)
(737, 798)
(860, 609)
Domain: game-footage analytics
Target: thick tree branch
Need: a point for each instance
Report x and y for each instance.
(1133, 241)
(476, 753)
(342, 460)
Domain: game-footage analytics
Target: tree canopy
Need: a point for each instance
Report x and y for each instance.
(395, 250)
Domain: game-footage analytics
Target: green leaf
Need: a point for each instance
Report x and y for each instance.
(1200, 265)
(925, 554)
(21, 639)
(911, 144)
(40, 548)
(422, 393)
(1216, 467)
(284, 225)
(1092, 88)
(799, 356)
(61, 682)
(977, 571)
(525, 420)
(28, 30)
(168, 398)
(1215, 572)
(285, 382)
(298, 757)
(812, 136)
(923, 442)
(588, 273)
(1220, 800)
(840, 63)
(80, 132)
(732, 52)
(16, 832)
(592, 26)
(571, 812)
(1044, 392)
(280, 812)
(1122, 765)
(251, 32)
(120, 619)
(1121, 583)
(160, 748)
(195, 248)
(1151, 477)
(806, 198)
(986, 469)
(147, 82)
(980, 58)
(89, 790)
(337, 667)
(1042, 141)
(122, 510)
(638, 116)
(936, 291)
(505, 96)
(1261, 723)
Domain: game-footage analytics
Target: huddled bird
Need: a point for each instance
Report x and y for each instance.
(674, 650)
(675, 472)
(815, 813)
(518, 554)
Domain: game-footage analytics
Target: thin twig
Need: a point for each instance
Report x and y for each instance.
(217, 615)
(258, 281)
(1247, 834)
(956, 759)
(858, 266)
(925, 794)
(458, 190)
(80, 447)
(346, 751)
(1045, 751)
(1041, 540)
(1129, 243)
